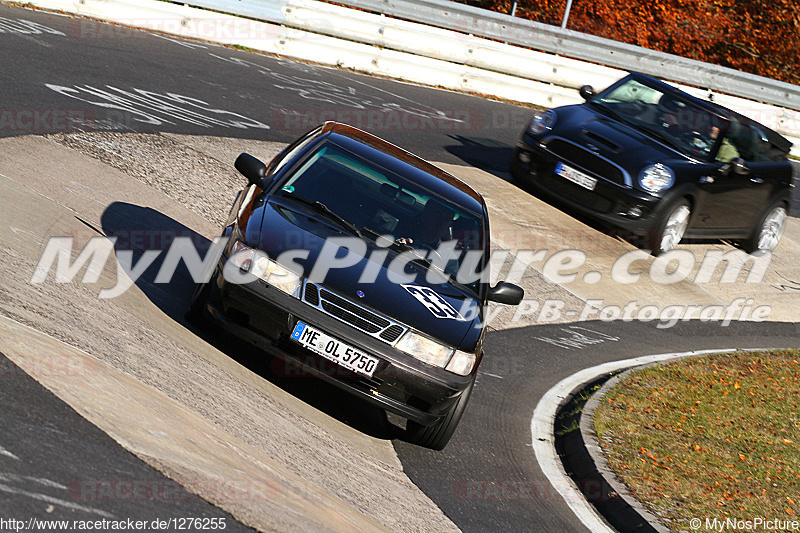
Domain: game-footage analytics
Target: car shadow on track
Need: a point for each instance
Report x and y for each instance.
(486, 154)
(141, 229)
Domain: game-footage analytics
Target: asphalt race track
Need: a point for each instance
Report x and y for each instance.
(88, 75)
(239, 93)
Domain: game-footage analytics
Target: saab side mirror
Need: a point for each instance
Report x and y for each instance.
(587, 92)
(737, 165)
(252, 169)
(506, 293)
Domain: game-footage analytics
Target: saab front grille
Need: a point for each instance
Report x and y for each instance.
(312, 294)
(349, 317)
(392, 333)
(352, 313)
(354, 309)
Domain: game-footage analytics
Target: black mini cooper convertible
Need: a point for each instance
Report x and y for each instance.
(364, 265)
(644, 156)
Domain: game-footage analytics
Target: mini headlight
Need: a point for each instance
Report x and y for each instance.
(542, 122)
(424, 349)
(462, 363)
(655, 178)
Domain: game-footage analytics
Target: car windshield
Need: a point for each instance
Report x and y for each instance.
(377, 204)
(667, 116)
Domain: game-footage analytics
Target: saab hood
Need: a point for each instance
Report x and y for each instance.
(444, 311)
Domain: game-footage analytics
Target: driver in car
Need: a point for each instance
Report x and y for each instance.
(431, 227)
(727, 151)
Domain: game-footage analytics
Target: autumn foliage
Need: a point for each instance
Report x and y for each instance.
(757, 36)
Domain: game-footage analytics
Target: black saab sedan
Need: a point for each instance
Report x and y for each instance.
(647, 157)
(359, 263)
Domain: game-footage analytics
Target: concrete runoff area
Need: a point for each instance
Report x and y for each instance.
(205, 459)
(147, 352)
(74, 187)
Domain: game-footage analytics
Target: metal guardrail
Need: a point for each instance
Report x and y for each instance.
(266, 10)
(501, 27)
(522, 32)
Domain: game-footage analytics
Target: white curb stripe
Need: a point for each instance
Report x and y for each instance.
(542, 427)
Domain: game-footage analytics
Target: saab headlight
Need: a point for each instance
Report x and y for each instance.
(276, 275)
(424, 349)
(436, 354)
(462, 363)
(242, 256)
(542, 122)
(255, 263)
(656, 178)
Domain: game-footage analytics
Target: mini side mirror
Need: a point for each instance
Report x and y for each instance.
(252, 169)
(587, 92)
(506, 293)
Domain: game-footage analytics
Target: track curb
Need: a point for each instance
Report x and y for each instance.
(633, 514)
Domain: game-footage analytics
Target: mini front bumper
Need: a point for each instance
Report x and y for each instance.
(265, 316)
(616, 204)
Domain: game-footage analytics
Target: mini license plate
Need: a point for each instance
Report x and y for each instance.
(335, 350)
(575, 176)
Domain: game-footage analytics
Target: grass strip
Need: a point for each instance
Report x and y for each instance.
(708, 437)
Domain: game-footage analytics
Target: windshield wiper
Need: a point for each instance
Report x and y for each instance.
(420, 260)
(608, 111)
(324, 209)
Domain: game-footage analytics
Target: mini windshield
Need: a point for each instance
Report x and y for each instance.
(667, 116)
(380, 205)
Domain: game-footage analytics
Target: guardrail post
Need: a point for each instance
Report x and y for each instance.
(566, 15)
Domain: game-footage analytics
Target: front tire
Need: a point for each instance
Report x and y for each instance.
(768, 231)
(438, 435)
(670, 229)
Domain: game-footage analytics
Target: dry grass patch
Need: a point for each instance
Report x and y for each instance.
(715, 436)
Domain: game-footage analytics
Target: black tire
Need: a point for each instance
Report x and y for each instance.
(196, 312)
(438, 435)
(670, 229)
(768, 230)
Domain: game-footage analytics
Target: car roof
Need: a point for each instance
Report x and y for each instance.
(664, 87)
(404, 164)
(773, 137)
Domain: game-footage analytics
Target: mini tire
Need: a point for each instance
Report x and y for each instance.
(768, 230)
(670, 229)
(438, 435)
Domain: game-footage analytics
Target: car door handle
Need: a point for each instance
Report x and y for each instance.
(757, 180)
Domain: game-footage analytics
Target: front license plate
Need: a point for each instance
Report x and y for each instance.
(575, 176)
(335, 350)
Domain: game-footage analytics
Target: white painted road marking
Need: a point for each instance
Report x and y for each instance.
(6, 453)
(151, 107)
(542, 427)
(25, 27)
